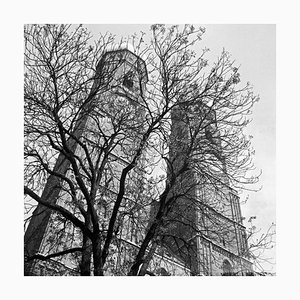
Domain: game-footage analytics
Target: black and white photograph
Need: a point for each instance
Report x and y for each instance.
(149, 150)
(138, 152)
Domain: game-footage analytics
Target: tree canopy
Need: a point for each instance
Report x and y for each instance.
(125, 145)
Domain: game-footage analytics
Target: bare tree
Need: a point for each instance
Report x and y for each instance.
(207, 147)
(97, 128)
(259, 243)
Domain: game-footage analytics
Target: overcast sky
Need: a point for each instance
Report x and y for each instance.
(253, 49)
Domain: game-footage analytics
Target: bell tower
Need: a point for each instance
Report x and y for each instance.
(120, 76)
(204, 227)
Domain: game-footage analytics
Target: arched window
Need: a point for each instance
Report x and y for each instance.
(227, 268)
(128, 80)
(163, 272)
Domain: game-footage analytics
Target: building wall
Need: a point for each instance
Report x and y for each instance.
(210, 211)
(127, 76)
(209, 223)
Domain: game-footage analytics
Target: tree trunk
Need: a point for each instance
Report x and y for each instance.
(85, 265)
(97, 256)
(141, 254)
(147, 260)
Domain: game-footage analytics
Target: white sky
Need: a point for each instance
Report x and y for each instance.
(253, 49)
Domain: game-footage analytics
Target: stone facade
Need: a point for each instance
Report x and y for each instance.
(206, 253)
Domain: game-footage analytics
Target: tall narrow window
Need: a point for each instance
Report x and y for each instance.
(227, 268)
(128, 80)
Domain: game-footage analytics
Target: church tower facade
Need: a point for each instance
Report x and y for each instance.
(203, 233)
(119, 83)
(204, 229)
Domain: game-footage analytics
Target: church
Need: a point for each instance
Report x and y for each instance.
(202, 233)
